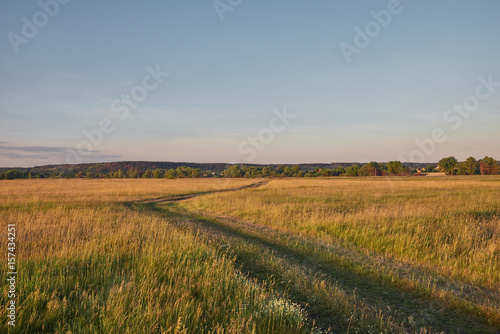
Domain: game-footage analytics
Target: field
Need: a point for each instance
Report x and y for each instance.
(334, 255)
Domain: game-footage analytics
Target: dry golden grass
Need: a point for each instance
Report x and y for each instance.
(450, 225)
(89, 264)
(105, 190)
(422, 254)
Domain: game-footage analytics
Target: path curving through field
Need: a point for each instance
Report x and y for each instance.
(341, 287)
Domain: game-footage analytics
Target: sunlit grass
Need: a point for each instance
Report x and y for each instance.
(88, 264)
(49, 192)
(450, 225)
(374, 255)
(402, 241)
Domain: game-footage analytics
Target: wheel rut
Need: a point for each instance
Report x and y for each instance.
(341, 266)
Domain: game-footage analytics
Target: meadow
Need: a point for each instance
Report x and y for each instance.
(333, 255)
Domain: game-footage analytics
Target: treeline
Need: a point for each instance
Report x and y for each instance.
(14, 174)
(485, 166)
(370, 169)
(105, 168)
(157, 173)
(450, 165)
(179, 172)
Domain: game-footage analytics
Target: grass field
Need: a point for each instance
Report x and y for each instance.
(371, 255)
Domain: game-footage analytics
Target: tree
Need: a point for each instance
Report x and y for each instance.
(462, 168)
(133, 173)
(326, 172)
(371, 169)
(10, 174)
(430, 168)
(471, 166)
(187, 171)
(147, 174)
(158, 173)
(233, 171)
(395, 168)
(196, 173)
(170, 174)
(281, 169)
(489, 166)
(365, 170)
(180, 172)
(352, 171)
(295, 169)
(448, 165)
(375, 168)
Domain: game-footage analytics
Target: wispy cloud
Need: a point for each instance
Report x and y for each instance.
(22, 156)
(33, 149)
(48, 154)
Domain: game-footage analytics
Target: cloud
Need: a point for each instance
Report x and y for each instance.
(33, 149)
(22, 156)
(49, 154)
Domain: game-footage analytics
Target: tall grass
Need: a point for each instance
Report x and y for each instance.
(88, 264)
(365, 255)
(451, 226)
(84, 191)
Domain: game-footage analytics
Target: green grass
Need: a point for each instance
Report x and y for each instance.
(105, 268)
(374, 255)
(421, 253)
(447, 225)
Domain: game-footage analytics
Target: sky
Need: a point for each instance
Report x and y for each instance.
(248, 81)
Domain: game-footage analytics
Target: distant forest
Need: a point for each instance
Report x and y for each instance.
(172, 170)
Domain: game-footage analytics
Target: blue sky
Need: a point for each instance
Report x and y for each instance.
(226, 79)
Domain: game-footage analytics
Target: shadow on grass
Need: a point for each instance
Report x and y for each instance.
(404, 303)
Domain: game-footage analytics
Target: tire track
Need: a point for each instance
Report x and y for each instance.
(189, 196)
(335, 263)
